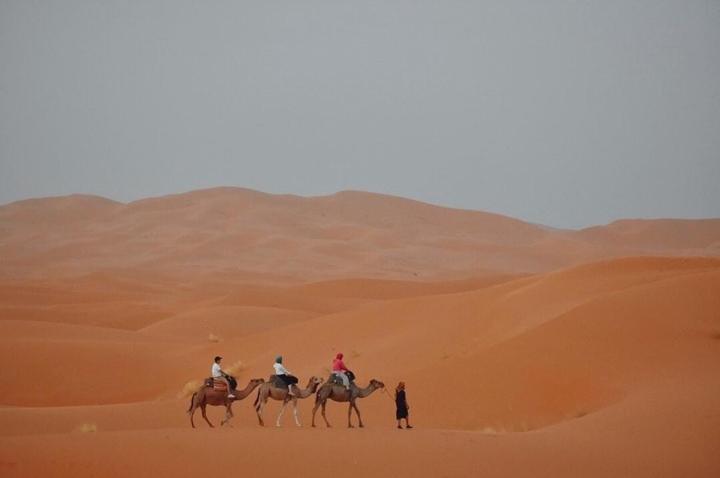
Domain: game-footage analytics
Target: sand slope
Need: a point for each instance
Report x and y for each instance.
(585, 358)
(527, 351)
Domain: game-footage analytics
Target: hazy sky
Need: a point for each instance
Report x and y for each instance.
(566, 113)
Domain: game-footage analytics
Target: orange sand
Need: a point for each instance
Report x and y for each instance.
(526, 351)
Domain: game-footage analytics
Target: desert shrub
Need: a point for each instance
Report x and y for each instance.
(190, 387)
(235, 368)
(87, 428)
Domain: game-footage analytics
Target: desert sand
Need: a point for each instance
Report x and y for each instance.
(527, 350)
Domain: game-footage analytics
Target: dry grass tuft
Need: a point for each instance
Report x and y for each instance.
(495, 430)
(213, 338)
(524, 427)
(235, 368)
(87, 428)
(191, 387)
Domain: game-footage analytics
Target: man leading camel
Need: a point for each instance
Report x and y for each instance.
(219, 375)
(340, 370)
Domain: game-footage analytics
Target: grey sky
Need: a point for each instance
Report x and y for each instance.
(567, 113)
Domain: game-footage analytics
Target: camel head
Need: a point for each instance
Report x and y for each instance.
(377, 383)
(257, 381)
(314, 381)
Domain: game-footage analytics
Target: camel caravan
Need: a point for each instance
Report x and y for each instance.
(220, 389)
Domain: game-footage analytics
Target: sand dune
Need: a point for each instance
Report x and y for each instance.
(224, 321)
(426, 334)
(292, 238)
(527, 351)
(682, 234)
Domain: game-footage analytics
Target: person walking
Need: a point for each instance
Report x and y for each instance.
(402, 411)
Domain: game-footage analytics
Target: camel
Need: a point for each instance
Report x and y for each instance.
(269, 390)
(207, 396)
(338, 393)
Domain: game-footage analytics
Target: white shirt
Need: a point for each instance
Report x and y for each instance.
(216, 371)
(280, 369)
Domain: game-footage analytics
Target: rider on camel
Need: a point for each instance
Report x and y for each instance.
(220, 376)
(284, 374)
(340, 370)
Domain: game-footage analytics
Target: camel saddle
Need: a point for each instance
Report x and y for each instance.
(277, 382)
(219, 385)
(335, 380)
(215, 384)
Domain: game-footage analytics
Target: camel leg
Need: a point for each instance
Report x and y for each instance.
(282, 410)
(228, 414)
(204, 415)
(315, 407)
(193, 407)
(295, 413)
(192, 414)
(327, 423)
(350, 407)
(259, 409)
(357, 410)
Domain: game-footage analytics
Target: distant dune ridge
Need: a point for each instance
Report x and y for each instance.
(291, 238)
(527, 351)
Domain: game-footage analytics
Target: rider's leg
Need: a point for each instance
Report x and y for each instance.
(289, 383)
(227, 382)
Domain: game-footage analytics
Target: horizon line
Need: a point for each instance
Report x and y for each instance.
(345, 191)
